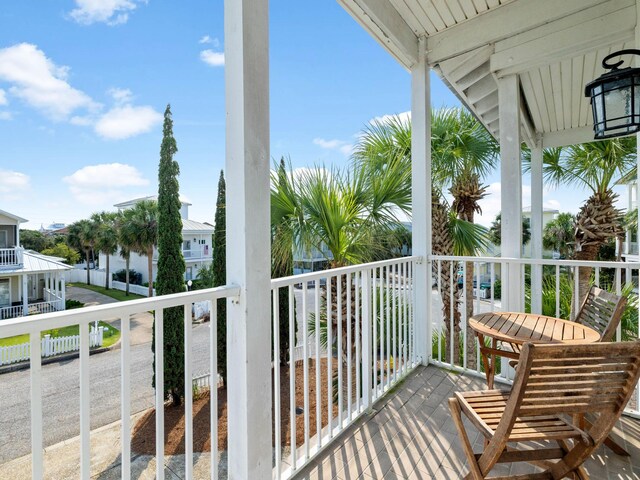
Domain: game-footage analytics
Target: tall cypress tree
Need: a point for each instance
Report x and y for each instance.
(220, 274)
(171, 266)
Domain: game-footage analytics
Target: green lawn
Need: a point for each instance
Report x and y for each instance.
(113, 293)
(111, 335)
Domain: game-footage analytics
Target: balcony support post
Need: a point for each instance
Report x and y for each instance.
(248, 238)
(510, 191)
(537, 213)
(421, 199)
(25, 294)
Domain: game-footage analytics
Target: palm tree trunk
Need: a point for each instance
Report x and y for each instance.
(150, 266)
(468, 215)
(88, 273)
(126, 268)
(106, 281)
(450, 315)
(588, 253)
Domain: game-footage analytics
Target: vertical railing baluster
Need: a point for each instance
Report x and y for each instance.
(387, 302)
(276, 382)
(329, 317)
(381, 327)
(597, 280)
(305, 366)
(316, 295)
(85, 405)
(557, 291)
(375, 339)
(576, 294)
(125, 396)
(358, 283)
(492, 267)
(339, 354)
(441, 324)
(213, 386)
(292, 378)
(464, 314)
(37, 450)
(619, 292)
(403, 322)
(188, 394)
(159, 356)
(349, 348)
(394, 321)
(366, 339)
(452, 339)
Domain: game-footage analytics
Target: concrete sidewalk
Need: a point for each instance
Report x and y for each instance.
(62, 461)
(141, 323)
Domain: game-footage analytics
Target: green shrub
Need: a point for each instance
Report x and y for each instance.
(71, 304)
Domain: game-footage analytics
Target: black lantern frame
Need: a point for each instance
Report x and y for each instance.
(615, 98)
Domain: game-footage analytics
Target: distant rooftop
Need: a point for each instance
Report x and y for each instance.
(128, 203)
(15, 217)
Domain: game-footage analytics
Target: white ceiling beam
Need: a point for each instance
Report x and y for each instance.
(500, 23)
(563, 138)
(552, 43)
(386, 25)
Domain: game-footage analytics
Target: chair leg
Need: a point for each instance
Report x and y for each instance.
(475, 473)
(580, 472)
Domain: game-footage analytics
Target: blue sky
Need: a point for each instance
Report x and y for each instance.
(83, 87)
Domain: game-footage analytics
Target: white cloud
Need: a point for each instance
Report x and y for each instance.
(121, 96)
(3, 97)
(205, 39)
(5, 116)
(111, 12)
(81, 121)
(103, 183)
(345, 147)
(127, 121)
(41, 83)
(215, 59)
(404, 117)
(13, 184)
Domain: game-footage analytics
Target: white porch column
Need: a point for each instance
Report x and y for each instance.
(63, 292)
(421, 199)
(536, 226)
(246, 27)
(511, 189)
(25, 294)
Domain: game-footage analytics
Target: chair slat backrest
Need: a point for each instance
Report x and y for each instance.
(582, 378)
(602, 311)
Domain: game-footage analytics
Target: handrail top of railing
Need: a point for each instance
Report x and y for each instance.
(538, 261)
(46, 321)
(333, 272)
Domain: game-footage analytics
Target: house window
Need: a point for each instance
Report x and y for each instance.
(5, 292)
(4, 243)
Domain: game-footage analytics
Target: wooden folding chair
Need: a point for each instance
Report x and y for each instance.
(552, 381)
(602, 311)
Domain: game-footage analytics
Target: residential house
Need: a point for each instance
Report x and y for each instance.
(29, 282)
(197, 247)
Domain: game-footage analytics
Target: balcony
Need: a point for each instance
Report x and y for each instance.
(202, 252)
(10, 258)
(379, 413)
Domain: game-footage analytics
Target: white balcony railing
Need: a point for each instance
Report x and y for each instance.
(15, 311)
(10, 257)
(559, 281)
(364, 350)
(203, 252)
(85, 316)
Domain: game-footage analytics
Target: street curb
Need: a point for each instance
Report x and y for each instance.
(60, 358)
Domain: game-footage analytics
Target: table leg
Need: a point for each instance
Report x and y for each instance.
(488, 363)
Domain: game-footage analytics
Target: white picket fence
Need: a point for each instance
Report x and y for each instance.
(50, 346)
(137, 289)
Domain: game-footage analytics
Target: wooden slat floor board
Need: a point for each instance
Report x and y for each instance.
(410, 435)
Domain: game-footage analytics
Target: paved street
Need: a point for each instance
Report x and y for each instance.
(61, 394)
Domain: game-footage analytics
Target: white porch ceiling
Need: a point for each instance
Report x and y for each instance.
(555, 47)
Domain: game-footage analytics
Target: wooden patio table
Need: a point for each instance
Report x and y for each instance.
(511, 330)
(514, 329)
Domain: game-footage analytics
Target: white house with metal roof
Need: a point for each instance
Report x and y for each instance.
(29, 282)
(197, 247)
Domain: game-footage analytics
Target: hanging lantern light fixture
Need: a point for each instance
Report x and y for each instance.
(615, 98)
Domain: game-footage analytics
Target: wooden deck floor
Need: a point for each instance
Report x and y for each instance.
(410, 435)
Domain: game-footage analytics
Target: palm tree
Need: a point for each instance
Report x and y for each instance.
(495, 231)
(597, 167)
(462, 151)
(140, 227)
(559, 233)
(106, 237)
(82, 235)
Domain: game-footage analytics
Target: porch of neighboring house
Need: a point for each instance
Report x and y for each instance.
(34, 286)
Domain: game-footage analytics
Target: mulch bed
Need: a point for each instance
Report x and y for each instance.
(144, 434)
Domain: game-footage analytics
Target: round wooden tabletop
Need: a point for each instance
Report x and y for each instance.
(519, 328)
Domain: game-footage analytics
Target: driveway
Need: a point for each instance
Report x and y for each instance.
(141, 323)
